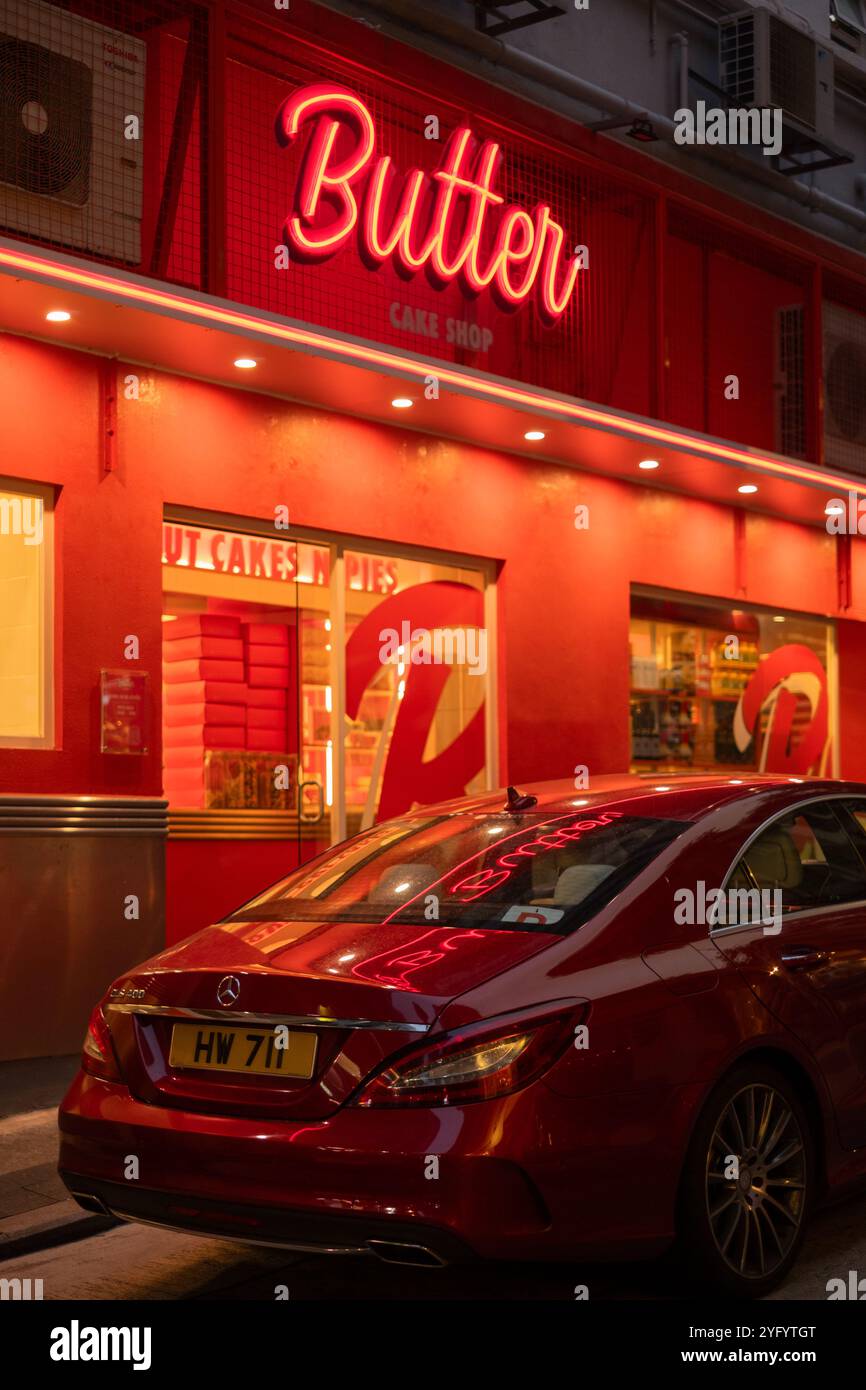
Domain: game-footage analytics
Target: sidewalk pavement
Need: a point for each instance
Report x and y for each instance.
(35, 1209)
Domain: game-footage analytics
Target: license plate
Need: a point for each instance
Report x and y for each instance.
(259, 1051)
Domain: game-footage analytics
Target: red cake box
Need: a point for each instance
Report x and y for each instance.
(177, 672)
(266, 718)
(203, 736)
(270, 634)
(192, 648)
(202, 712)
(265, 697)
(186, 759)
(185, 787)
(268, 676)
(259, 654)
(202, 625)
(206, 692)
(266, 740)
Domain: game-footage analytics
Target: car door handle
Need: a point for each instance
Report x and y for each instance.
(804, 957)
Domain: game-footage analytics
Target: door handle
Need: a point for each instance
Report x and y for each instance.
(320, 796)
(804, 957)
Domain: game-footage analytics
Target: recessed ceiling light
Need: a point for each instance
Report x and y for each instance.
(532, 435)
(835, 509)
(777, 618)
(246, 362)
(402, 402)
(649, 463)
(58, 316)
(661, 789)
(747, 487)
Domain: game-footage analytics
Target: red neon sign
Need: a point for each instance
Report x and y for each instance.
(443, 223)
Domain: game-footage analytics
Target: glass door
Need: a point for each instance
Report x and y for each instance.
(247, 704)
(417, 667)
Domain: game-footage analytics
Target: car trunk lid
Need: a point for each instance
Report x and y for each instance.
(345, 995)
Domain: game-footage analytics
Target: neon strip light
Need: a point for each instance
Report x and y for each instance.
(571, 412)
(440, 220)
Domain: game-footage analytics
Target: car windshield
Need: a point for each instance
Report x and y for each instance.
(546, 873)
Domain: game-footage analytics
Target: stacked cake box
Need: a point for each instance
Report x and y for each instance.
(204, 699)
(267, 672)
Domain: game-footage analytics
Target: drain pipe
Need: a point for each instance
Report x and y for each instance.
(681, 43)
(406, 15)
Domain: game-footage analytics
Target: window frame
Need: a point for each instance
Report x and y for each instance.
(48, 496)
(694, 598)
(799, 807)
(337, 544)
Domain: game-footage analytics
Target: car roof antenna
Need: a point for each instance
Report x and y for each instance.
(518, 802)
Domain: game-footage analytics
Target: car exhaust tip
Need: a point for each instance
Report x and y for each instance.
(90, 1203)
(398, 1253)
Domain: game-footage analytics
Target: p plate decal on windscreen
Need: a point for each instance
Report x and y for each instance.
(533, 916)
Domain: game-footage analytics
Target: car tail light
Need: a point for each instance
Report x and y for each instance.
(478, 1062)
(98, 1055)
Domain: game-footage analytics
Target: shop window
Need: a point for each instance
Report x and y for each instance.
(25, 616)
(416, 680)
(718, 688)
(247, 701)
(272, 645)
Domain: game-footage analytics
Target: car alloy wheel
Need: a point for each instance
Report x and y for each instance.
(756, 1181)
(746, 1187)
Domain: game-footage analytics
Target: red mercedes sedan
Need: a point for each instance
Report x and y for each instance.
(538, 1025)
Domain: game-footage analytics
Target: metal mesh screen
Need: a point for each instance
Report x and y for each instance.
(792, 71)
(845, 388)
(601, 347)
(735, 315)
(111, 146)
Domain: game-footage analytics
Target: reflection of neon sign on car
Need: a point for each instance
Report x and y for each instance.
(485, 880)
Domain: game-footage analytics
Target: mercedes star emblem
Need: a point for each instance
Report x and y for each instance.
(228, 990)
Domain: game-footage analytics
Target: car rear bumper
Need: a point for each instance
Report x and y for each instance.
(480, 1181)
(396, 1242)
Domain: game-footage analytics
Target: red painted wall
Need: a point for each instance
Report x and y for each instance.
(720, 320)
(106, 587)
(563, 594)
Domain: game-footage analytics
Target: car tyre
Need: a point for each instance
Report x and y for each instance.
(748, 1184)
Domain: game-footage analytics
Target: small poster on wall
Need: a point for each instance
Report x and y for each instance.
(123, 711)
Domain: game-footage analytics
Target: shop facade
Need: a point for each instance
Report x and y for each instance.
(396, 557)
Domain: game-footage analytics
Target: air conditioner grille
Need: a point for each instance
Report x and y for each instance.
(845, 388)
(737, 60)
(792, 72)
(791, 417)
(46, 137)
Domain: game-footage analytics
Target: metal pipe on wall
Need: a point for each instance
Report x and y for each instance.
(406, 15)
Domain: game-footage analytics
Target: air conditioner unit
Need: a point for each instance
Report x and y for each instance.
(766, 62)
(69, 174)
(844, 389)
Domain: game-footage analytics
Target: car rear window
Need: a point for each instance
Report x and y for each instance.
(533, 872)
